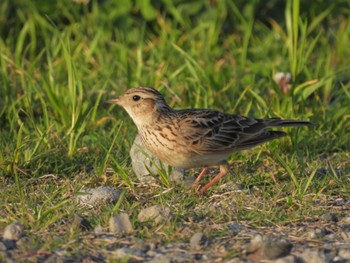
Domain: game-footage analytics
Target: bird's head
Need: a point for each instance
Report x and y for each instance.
(141, 104)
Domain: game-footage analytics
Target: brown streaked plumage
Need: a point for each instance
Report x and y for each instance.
(192, 138)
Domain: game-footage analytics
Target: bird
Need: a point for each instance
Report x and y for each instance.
(195, 138)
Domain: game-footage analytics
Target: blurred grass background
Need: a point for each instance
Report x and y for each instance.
(60, 60)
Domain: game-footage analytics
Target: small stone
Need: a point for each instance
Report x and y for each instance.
(125, 252)
(159, 258)
(9, 244)
(81, 223)
(252, 250)
(2, 246)
(329, 218)
(257, 239)
(144, 164)
(317, 233)
(177, 175)
(13, 231)
(338, 259)
(99, 230)
(311, 257)
(197, 239)
(100, 196)
(120, 224)
(235, 228)
(344, 253)
(54, 258)
(154, 213)
(339, 202)
(287, 259)
(273, 247)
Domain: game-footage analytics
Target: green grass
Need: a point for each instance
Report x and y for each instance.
(57, 134)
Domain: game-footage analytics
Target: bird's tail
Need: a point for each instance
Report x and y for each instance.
(276, 122)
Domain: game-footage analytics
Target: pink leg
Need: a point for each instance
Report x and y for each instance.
(200, 176)
(224, 168)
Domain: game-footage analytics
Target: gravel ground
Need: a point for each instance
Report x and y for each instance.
(325, 239)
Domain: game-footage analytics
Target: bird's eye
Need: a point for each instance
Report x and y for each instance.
(136, 98)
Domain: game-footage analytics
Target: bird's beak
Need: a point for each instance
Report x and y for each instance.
(113, 101)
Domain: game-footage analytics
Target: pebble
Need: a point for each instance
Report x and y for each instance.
(317, 233)
(344, 253)
(99, 230)
(99, 196)
(127, 252)
(9, 244)
(267, 248)
(2, 246)
(311, 257)
(274, 247)
(235, 228)
(156, 214)
(144, 165)
(330, 218)
(13, 231)
(197, 239)
(287, 259)
(339, 202)
(120, 224)
(160, 259)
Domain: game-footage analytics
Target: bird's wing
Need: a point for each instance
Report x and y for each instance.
(214, 131)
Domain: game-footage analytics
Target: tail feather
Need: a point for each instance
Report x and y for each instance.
(275, 122)
(265, 137)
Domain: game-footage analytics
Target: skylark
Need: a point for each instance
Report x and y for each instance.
(191, 138)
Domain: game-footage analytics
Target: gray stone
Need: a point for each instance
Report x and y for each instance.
(274, 247)
(2, 246)
(235, 228)
(267, 248)
(311, 257)
(120, 224)
(9, 244)
(160, 259)
(316, 233)
(198, 239)
(13, 231)
(339, 202)
(125, 252)
(145, 164)
(54, 258)
(102, 195)
(99, 230)
(329, 218)
(287, 259)
(155, 213)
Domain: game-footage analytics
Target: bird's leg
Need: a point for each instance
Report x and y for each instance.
(224, 168)
(200, 176)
